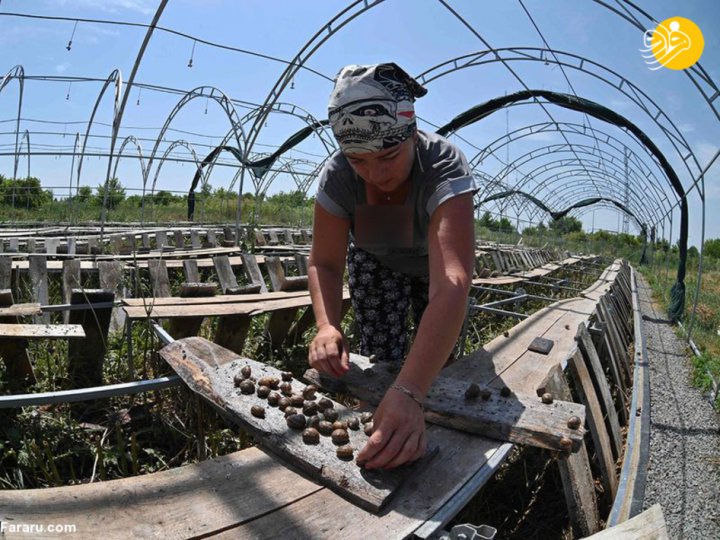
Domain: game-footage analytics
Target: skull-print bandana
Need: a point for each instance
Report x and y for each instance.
(371, 107)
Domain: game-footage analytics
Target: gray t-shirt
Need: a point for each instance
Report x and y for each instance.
(397, 234)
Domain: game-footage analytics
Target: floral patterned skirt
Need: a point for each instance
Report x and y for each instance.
(381, 299)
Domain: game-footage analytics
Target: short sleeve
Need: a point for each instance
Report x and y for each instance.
(450, 174)
(335, 193)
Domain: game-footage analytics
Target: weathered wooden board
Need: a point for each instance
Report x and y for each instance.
(516, 418)
(209, 369)
(649, 525)
(41, 331)
(218, 299)
(20, 310)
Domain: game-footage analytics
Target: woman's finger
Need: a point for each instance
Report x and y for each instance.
(407, 453)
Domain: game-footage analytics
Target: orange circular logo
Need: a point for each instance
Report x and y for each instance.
(676, 43)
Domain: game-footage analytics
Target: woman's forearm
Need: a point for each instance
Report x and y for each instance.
(434, 340)
(326, 291)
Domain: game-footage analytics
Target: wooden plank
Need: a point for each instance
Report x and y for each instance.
(86, 357)
(516, 418)
(39, 284)
(610, 358)
(586, 392)
(179, 239)
(575, 473)
(278, 325)
(250, 264)
(14, 351)
(195, 240)
(41, 331)
(220, 299)
(192, 274)
(587, 348)
(208, 369)
(185, 502)
(232, 331)
(159, 278)
(110, 275)
(649, 525)
(20, 310)
(225, 273)
(621, 351)
(71, 280)
(190, 326)
(5, 272)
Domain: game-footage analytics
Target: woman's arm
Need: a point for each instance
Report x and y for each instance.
(328, 351)
(399, 422)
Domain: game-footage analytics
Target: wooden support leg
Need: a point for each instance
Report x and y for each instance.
(232, 331)
(14, 351)
(86, 356)
(577, 479)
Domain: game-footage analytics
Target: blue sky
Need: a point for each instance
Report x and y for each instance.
(417, 34)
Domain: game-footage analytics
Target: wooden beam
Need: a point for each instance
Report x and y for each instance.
(41, 331)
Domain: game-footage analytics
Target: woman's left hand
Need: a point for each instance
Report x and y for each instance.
(399, 433)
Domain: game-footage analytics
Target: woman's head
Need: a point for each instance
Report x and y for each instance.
(371, 107)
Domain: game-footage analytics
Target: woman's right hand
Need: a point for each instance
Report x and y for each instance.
(328, 352)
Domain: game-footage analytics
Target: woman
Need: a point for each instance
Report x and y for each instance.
(398, 202)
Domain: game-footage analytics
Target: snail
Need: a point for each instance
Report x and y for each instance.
(485, 394)
(472, 392)
(344, 452)
(238, 379)
(286, 389)
(325, 403)
(330, 415)
(365, 417)
(325, 427)
(289, 411)
(257, 411)
(273, 399)
(354, 423)
(547, 398)
(296, 421)
(247, 387)
(297, 400)
(284, 403)
(368, 429)
(574, 422)
(269, 381)
(505, 391)
(309, 391)
(339, 436)
(313, 421)
(286, 376)
(245, 371)
(565, 443)
(263, 391)
(311, 436)
(310, 408)
(340, 424)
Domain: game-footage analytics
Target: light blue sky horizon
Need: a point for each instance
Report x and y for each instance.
(416, 34)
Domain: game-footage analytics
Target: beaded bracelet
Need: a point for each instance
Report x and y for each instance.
(408, 393)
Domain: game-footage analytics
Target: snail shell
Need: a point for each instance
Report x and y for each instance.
(345, 452)
(339, 436)
(286, 376)
(565, 443)
(325, 427)
(366, 417)
(485, 394)
(269, 381)
(237, 379)
(273, 399)
(297, 400)
(505, 391)
(330, 415)
(296, 421)
(310, 408)
(309, 391)
(289, 411)
(284, 403)
(472, 392)
(286, 389)
(368, 428)
(263, 391)
(257, 411)
(574, 422)
(311, 436)
(313, 421)
(325, 403)
(245, 371)
(340, 424)
(247, 387)
(547, 398)
(354, 423)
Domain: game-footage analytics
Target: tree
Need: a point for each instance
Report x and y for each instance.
(565, 225)
(163, 198)
(23, 192)
(84, 194)
(711, 248)
(116, 193)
